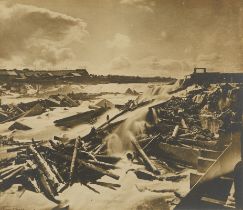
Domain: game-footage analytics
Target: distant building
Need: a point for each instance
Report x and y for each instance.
(42, 76)
(7, 74)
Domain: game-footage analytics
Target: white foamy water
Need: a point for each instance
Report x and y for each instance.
(120, 140)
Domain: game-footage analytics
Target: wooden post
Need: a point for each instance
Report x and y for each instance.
(102, 164)
(12, 174)
(175, 132)
(183, 123)
(145, 158)
(74, 157)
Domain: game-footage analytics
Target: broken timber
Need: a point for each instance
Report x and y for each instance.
(74, 157)
(145, 158)
(44, 167)
(79, 118)
(82, 163)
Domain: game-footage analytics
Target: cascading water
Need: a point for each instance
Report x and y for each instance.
(119, 141)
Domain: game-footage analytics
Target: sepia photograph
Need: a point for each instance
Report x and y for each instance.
(121, 104)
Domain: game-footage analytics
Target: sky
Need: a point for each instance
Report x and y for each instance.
(129, 37)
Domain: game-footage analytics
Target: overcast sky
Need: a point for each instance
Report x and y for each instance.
(133, 37)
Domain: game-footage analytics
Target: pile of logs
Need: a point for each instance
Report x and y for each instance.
(51, 167)
(10, 112)
(177, 120)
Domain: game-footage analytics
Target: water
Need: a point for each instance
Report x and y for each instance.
(119, 141)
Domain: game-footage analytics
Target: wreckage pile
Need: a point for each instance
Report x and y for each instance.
(10, 112)
(53, 166)
(50, 167)
(179, 121)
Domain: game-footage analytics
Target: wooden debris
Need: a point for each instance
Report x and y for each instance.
(19, 126)
(80, 118)
(73, 162)
(35, 110)
(45, 168)
(145, 158)
(90, 166)
(11, 174)
(175, 132)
